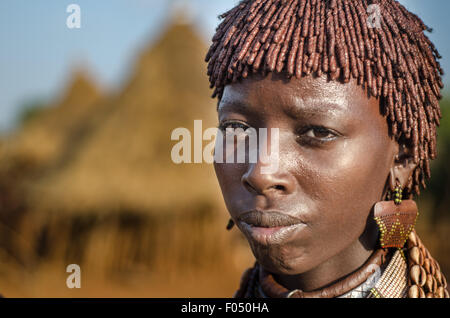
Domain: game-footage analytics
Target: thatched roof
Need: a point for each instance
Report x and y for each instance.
(124, 161)
(41, 140)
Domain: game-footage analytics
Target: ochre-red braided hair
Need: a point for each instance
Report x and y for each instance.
(395, 62)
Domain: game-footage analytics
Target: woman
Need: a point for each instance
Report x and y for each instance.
(353, 87)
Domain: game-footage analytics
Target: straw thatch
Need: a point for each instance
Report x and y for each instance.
(91, 181)
(124, 162)
(43, 139)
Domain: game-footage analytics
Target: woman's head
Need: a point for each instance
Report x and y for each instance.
(356, 107)
(334, 159)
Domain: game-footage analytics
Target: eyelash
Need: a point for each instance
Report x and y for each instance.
(301, 137)
(224, 125)
(309, 140)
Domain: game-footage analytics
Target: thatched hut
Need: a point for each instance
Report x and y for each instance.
(103, 189)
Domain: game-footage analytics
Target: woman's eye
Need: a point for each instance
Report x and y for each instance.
(233, 125)
(317, 135)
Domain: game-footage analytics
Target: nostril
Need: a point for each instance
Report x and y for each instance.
(261, 183)
(279, 187)
(249, 187)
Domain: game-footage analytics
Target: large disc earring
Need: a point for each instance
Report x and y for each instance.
(396, 219)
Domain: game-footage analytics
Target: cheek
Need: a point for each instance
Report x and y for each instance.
(349, 169)
(229, 178)
(360, 173)
(343, 185)
(224, 177)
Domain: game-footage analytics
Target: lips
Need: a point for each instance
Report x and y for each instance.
(269, 227)
(268, 219)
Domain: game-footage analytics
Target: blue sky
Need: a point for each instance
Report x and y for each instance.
(38, 52)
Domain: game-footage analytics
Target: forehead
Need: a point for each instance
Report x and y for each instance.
(296, 97)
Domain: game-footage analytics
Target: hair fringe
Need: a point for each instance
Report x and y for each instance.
(395, 62)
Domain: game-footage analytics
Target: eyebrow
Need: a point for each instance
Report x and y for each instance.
(236, 106)
(312, 108)
(308, 109)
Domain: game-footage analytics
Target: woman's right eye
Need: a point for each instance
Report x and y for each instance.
(233, 125)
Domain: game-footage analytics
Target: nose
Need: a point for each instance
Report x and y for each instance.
(278, 182)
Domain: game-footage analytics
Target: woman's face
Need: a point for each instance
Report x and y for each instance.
(334, 160)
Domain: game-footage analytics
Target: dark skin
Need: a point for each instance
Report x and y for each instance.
(336, 160)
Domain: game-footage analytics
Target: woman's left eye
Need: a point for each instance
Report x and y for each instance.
(320, 133)
(316, 135)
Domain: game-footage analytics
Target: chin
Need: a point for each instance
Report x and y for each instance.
(280, 263)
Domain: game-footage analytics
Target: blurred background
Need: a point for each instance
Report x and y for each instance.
(86, 176)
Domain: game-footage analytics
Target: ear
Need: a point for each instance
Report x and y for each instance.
(403, 166)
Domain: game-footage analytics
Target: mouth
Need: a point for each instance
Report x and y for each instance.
(270, 227)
